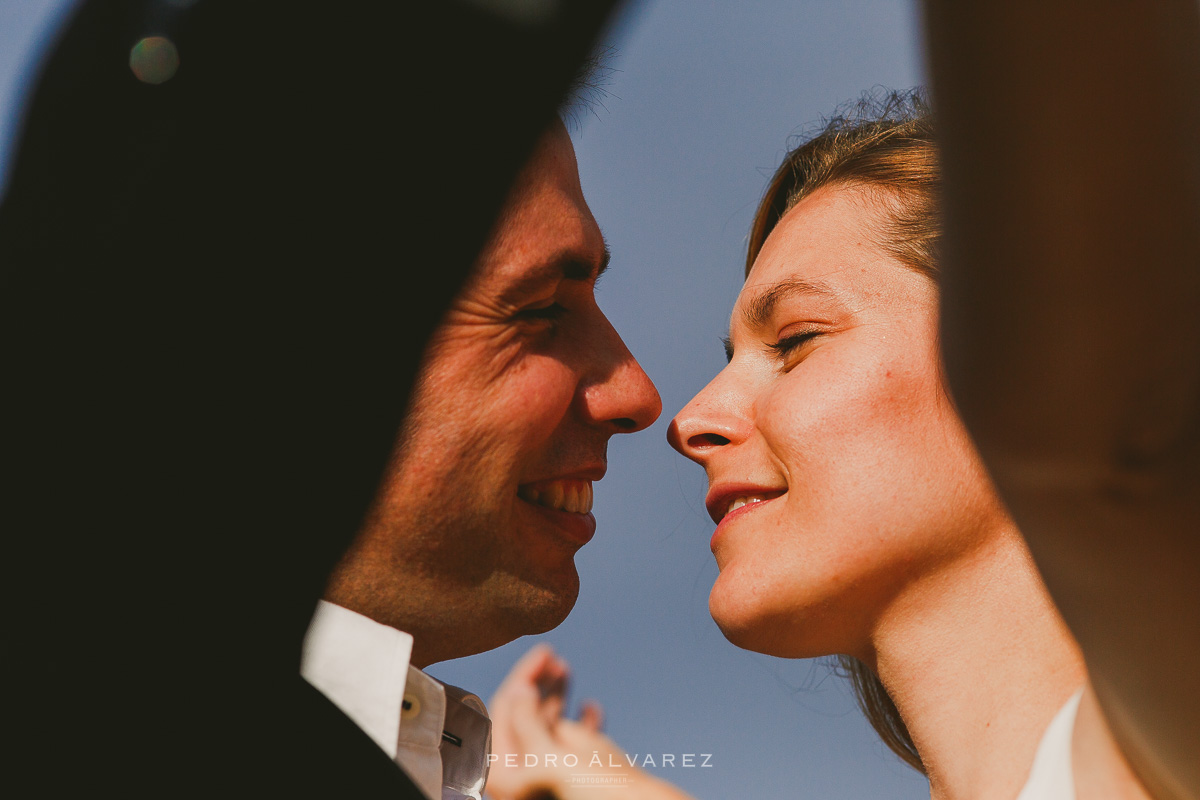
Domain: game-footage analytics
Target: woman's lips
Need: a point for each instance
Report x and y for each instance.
(745, 506)
(730, 505)
(723, 501)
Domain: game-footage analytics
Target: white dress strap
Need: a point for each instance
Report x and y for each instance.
(1051, 778)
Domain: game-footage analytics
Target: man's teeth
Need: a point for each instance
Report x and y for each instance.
(745, 501)
(575, 496)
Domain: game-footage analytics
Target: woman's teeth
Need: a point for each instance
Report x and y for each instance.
(738, 502)
(564, 495)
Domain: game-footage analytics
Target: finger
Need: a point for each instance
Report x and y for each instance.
(516, 695)
(552, 683)
(524, 673)
(525, 719)
(528, 667)
(553, 675)
(591, 716)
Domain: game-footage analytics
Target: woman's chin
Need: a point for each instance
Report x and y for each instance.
(765, 622)
(749, 626)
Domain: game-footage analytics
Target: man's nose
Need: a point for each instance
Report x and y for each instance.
(620, 396)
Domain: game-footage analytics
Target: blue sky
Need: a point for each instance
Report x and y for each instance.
(700, 107)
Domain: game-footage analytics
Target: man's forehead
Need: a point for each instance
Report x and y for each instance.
(546, 232)
(552, 161)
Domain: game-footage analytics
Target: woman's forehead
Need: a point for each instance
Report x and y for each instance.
(825, 253)
(819, 237)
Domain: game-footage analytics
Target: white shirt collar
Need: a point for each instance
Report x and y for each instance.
(440, 734)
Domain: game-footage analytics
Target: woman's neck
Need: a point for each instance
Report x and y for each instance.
(978, 661)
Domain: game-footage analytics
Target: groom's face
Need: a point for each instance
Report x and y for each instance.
(489, 495)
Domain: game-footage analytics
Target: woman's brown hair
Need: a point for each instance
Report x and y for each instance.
(884, 145)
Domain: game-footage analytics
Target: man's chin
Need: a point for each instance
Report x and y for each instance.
(545, 605)
(494, 619)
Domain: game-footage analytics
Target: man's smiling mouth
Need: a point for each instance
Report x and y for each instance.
(561, 495)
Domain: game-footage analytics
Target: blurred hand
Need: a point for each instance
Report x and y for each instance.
(538, 753)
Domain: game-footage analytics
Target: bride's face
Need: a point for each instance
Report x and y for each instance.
(839, 474)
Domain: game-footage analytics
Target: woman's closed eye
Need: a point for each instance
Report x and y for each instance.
(788, 345)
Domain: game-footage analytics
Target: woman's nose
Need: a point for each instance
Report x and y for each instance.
(711, 420)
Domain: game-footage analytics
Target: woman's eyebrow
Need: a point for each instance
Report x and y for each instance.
(759, 309)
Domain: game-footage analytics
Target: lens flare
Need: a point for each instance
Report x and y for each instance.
(154, 60)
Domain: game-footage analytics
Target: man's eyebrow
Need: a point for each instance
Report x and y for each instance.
(569, 266)
(581, 270)
(758, 311)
